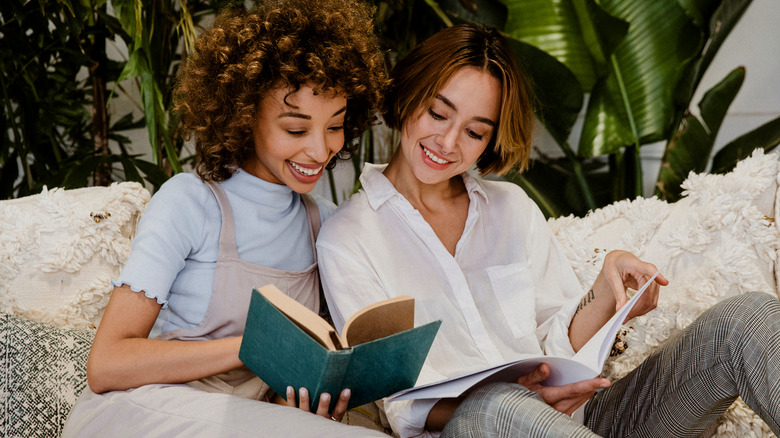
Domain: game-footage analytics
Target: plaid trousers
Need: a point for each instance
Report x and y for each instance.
(731, 350)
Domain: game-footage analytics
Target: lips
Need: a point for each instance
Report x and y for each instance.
(306, 171)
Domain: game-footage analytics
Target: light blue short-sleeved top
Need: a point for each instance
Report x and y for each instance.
(175, 251)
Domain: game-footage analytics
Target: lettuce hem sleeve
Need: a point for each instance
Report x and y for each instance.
(161, 301)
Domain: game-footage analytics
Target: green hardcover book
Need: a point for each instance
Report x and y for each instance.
(380, 352)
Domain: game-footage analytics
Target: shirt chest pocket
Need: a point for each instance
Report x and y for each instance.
(513, 288)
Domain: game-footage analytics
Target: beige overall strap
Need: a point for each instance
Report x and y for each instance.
(227, 234)
(313, 213)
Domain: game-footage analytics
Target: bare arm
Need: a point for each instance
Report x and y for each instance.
(122, 357)
(621, 269)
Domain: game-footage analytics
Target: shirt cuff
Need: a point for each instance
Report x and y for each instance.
(407, 417)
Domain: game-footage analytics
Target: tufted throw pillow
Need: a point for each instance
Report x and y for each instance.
(60, 249)
(42, 373)
(719, 241)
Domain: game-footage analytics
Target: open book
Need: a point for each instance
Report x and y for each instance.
(379, 353)
(586, 364)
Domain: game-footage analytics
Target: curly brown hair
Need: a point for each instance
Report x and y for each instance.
(245, 54)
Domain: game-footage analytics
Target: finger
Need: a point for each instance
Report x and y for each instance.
(324, 405)
(290, 397)
(341, 405)
(303, 396)
(535, 377)
(574, 391)
(615, 282)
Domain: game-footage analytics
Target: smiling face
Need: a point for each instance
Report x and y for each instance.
(447, 138)
(296, 135)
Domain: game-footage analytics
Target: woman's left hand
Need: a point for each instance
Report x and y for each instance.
(622, 270)
(322, 408)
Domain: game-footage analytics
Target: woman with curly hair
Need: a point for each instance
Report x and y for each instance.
(271, 98)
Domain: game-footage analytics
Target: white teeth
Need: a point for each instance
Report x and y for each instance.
(303, 171)
(434, 157)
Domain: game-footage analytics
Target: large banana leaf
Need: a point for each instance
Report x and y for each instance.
(634, 104)
(690, 147)
(766, 137)
(552, 26)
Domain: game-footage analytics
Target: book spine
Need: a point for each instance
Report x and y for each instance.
(331, 380)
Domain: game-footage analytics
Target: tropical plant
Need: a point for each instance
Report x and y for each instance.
(632, 67)
(639, 62)
(58, 81)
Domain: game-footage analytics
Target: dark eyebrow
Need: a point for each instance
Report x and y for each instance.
(449, 103)
(308, 117)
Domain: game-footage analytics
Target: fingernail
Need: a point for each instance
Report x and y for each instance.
(605, 384)
(346, 393)
(325, 397)
(304, 392)
(290, 390)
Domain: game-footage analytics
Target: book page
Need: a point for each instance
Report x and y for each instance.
(595, 352)
(303, 317)
(586, 364)
(379, 320)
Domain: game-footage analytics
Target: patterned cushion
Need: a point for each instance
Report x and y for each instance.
(60, 249)
(42, 372)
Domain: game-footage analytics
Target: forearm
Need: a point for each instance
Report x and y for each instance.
(594, 310)
(441, 413)
(123, 357)
(130, 363)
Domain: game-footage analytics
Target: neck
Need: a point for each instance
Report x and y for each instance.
(418, 193)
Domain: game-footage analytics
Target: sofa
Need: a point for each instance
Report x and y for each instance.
(60, 249)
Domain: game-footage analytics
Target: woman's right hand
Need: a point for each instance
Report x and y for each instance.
(323, 407)
(566, 398)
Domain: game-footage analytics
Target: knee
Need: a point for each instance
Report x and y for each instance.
(752, 303)
(747, 310)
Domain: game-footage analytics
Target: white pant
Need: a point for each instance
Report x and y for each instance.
(183, 411)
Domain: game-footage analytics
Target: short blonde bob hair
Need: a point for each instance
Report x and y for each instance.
(420, 75)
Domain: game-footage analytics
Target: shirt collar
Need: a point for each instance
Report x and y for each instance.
(259, 191)
(379, 189)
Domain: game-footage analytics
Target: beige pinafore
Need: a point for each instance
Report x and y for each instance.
(233, 283)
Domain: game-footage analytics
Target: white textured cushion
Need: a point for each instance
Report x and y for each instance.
(719, 241)
(60, 249)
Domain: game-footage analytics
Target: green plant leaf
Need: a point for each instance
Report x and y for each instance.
(690, 147)
(554, 27)
(558, 93)
(766, 136)
(720, 17)
(131, 173)
(633, 105)
(489, 12)
(153, 173)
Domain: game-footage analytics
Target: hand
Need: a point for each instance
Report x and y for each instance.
(621, 270)
(566, 398)
(322, 408)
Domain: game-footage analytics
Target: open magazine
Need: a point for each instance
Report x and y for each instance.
(586, 364)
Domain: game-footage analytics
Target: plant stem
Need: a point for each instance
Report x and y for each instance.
(637, 174)
(579, 175)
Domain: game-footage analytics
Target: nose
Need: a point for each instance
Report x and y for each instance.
(448, 139)
(319, 149)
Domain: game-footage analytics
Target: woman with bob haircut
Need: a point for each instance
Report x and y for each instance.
(478, 255)
(271, 97)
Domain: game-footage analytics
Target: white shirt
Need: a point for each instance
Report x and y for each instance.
(509, 290)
